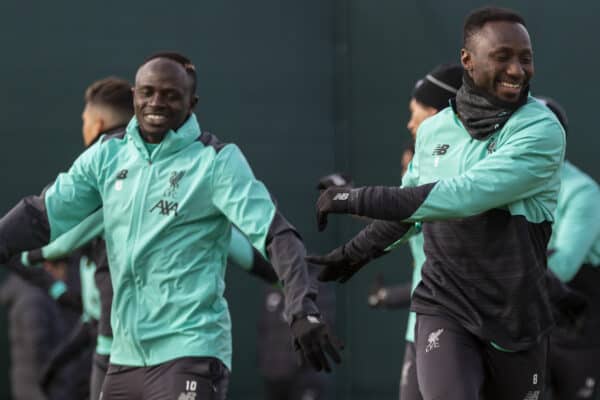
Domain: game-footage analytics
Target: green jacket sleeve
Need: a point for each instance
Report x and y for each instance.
(575, 232)
(240, 250)
(36, 220)
(521, 168)
(242, 254)
(84, 232)
(246, 202)
(75, 194)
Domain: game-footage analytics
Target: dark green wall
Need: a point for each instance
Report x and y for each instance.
(304, 88)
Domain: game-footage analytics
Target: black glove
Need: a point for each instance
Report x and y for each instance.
(572, 311)
(312, 341)
(370, 243)
(569, 307)
(336, 180)
(339, 264)
(334, 200)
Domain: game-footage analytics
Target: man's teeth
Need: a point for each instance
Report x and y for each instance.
(510, 85)
(156, 118)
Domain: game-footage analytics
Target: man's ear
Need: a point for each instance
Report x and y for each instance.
(99, 125)
(466, 59)
(194, 101)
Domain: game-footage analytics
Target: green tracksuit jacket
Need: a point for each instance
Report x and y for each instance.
(167, 219)
(487, 207)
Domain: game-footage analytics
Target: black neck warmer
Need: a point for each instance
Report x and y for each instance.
(481, 113)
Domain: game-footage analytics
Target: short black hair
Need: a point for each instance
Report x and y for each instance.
(481, 16)
(113, 93)
(180, 59)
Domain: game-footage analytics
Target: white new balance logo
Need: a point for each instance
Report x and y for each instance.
(434, 340)
(341, 196)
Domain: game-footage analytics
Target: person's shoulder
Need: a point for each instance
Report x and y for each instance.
(532, 113)
(208, 139)
(538, 122)
(442, 119)
(110, 140)
(115, 134)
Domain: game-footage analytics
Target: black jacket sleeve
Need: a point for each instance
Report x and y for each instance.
(24, 227)
(262, 268)
(388, 203)
(285, 249)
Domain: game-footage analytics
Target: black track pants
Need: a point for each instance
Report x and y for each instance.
(453, 364)
(409, 387)
(187, 378)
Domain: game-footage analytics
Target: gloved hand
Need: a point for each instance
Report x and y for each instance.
(569, 307)
(334, 200)
(336, 180)
(339, 264)
(370, 243)
(313, 342)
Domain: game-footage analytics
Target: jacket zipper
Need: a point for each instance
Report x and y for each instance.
(147, 173)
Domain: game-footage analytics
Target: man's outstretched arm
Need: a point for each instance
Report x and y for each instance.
(519, 169)
(248, 205)
(375, 240)
(36, 220)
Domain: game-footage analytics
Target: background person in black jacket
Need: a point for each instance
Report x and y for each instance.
(37, 325)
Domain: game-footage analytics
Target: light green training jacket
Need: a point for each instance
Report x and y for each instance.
(576, 234)
(167, 219)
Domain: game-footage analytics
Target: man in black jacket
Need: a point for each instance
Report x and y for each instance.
(36, 327)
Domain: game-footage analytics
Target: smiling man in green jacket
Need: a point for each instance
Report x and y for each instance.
(483, 182)
(170, 193)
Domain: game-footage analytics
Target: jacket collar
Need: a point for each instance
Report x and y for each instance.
(173, 141)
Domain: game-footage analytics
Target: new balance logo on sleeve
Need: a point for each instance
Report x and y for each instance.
(439, 151)
(341, 196)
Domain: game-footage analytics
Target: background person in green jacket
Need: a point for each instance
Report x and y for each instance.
(169, 194)
(574, 257)
(483, 182)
